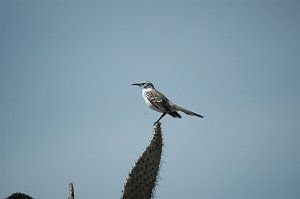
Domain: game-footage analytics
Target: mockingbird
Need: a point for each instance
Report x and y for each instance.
(158, 102)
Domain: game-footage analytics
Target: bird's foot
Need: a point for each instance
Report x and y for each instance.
(155, 123)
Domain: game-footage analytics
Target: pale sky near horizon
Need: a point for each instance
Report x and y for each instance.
(69, 113)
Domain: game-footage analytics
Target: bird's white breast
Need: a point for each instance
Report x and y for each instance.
(147, 101)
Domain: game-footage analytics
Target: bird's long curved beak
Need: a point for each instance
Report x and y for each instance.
(136, 84)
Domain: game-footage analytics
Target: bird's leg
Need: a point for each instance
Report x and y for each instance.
(160, 118)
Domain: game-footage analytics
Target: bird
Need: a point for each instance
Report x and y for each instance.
(160, 103)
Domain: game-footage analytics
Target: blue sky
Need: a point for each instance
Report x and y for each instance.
(69, 114)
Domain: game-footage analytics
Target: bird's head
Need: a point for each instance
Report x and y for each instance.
(144, 84)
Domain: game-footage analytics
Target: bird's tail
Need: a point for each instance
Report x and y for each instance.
(178, 108)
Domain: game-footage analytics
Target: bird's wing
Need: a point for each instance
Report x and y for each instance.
(158, 100)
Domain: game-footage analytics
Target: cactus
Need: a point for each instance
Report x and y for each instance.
(19, 195)
(71, 191)
(142, 179)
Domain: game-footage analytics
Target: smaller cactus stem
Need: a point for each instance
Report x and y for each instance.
(71, 191)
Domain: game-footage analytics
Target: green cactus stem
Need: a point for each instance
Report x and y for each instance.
(142, 179)
(71, 191)
(19, 195)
